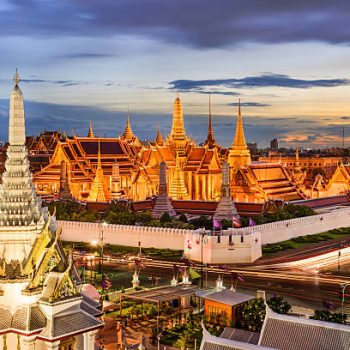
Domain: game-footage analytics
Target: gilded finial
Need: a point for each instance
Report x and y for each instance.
(239, 106)
(91, 133)
(16, 78)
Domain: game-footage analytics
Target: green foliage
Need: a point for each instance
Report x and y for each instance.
(202, 221)
(325, 315)
(72, 211)
(288, 211)
(165, 218)
(279, 305)
(225, 224)
(253, 314)
(302, 240)
(183, 218)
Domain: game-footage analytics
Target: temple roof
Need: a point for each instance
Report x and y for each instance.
(299, 333)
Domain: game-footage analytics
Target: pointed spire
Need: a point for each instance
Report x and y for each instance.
(239, 140)
(91, 133)
(99, 190)
(99, 155)
(159, 139)
(178, 188)
(16, 78)
(17, 129)
(162, 204)
(297, 166)
(210, 141)
(239, 153)
(128, 134)
(178, 129)
(19, 205)
(297, 154)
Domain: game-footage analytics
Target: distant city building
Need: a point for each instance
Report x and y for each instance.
(274, 145)
(252, 146)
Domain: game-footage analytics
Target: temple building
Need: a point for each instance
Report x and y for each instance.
(40, 302)
(127, 169)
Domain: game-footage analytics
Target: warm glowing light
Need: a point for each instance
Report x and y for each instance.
(94, 242)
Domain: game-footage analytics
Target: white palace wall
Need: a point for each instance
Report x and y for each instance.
(157, 237)
(233, 245)
(223, 249)
(283, 230)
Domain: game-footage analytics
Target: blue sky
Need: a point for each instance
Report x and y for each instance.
(286, 60)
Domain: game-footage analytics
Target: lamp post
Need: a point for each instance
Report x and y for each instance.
(343, 287)
(100, 244)
(202, 233)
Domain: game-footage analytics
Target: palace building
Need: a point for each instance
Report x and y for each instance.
(40, 302)
(100, 169)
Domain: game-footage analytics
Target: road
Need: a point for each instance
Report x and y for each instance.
(306, 289)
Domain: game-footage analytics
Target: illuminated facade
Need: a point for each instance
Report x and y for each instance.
(101, 169)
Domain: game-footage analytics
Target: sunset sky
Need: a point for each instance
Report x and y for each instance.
(288, 61)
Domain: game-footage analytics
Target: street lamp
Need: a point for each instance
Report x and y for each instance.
(343, 287)
(100, 244)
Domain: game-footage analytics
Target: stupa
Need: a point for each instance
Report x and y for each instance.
(40, 302)
(163, 204)
(226, 209)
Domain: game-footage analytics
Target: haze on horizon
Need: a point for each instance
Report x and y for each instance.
(286, 60)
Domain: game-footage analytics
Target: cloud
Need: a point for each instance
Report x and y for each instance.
(84, 55)
(345, 118)
(260, 81)
(249, 104)
(55, 82)
(190, 22)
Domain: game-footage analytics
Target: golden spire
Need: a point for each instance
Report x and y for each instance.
(128, 134)
(99, 189)
(90, 133)
(178, 128)
(159, 139)
(178, 188)
(239, 154)
(210, 141)
(297, 167)
(239, 140)
(99, 155)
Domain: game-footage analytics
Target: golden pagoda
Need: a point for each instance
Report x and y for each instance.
(159, 139)
(90, 133)
(178, 188)
(99, 190)
(239, 153)
(177, 137)
(128, 134)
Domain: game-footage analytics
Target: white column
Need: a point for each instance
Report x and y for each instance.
(28, 343)
(89, 340)
(92, 337)
(52, 345)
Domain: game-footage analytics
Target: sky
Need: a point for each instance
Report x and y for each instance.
(288, 62)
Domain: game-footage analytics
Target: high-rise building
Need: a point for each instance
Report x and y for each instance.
(274, 145)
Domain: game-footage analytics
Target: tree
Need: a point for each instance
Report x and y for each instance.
(279, 305)
(325, 315)
(183, 218)
(253, 313)
(165, 218)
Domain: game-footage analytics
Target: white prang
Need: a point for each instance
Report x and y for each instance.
(21, 216)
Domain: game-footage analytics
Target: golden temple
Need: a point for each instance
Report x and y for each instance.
(101, 168)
